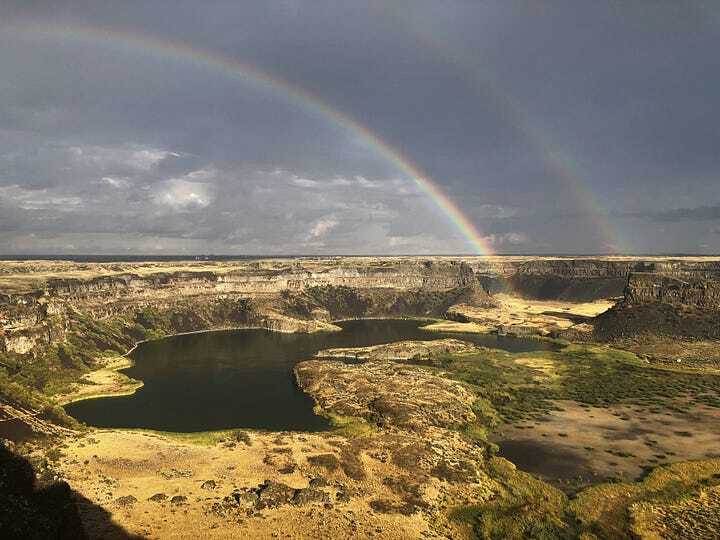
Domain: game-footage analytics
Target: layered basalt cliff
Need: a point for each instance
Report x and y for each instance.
(684, 305)
(643, 288)
(583, 279)
(278, 295)
(577, 280)
(37, 299)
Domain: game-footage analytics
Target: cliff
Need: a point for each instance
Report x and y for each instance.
(583, 279)
(643, 288)
(38, 300)
(683, 305)
(42, 302)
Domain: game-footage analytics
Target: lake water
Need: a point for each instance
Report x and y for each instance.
(243, 378)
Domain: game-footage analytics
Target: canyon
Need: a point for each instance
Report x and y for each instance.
(304, 295)
(417, 429)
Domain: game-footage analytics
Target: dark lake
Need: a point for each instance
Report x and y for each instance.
(243, 378)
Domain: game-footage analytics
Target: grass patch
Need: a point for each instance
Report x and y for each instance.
(524, 508)
(671, 499)
(523, 392)
(203, 438)
(351, 426)
(476, 432)
(613, 510)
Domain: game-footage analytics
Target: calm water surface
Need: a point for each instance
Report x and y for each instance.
(243, 378)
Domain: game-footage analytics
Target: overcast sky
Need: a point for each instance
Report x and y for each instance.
(555, 126)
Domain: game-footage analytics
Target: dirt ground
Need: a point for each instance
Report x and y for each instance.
(579, 445)
(514, 314)
(163, 487)
(103, 382)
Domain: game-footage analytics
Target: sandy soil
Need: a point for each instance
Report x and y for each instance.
(514, 314)
(104, 382)
(108, 467)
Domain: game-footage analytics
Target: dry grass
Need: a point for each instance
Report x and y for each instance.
(614, 510)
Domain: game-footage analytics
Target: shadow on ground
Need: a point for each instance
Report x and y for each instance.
(31, 511)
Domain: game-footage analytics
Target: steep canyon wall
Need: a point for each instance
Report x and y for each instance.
(38, 298)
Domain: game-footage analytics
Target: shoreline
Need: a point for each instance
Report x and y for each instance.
(133, 387)
(62, 400)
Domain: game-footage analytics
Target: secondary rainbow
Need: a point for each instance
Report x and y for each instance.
(563, 166)
(242, 71)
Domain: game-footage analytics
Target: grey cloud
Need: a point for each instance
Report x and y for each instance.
(526, 114)
(699, 213)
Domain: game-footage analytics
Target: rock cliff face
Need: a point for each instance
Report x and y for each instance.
(682, 303)
(277, 295)
(643, 288)
(38, 298)
(583, 279)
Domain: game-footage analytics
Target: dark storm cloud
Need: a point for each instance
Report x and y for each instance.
(700, 213)
(539, 119)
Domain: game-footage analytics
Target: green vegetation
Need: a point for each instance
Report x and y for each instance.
(666, 500)
(525, 508)
(14, 391)
(524, 387)
(507, 391)
(53, 454)
(31, 380)
(600, 376)
(55, 367)
(205, 438)
(621, 510)
(351, 426)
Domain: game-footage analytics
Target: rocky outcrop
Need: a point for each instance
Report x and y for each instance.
(583, 279)
(657, 319)
(643, 288)
(269, 494)
(386, 393)
(402, 350)
(664, 305)
(596, 267)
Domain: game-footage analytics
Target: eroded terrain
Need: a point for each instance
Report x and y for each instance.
(613, 435)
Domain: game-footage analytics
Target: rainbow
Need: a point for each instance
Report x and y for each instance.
(248, 73)
(560, 163)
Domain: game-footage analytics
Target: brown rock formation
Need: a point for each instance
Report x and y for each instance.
(386, 393)
(402, 350)
(643, 288)
(665, 305)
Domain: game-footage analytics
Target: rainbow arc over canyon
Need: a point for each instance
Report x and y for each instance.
(231, 67)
